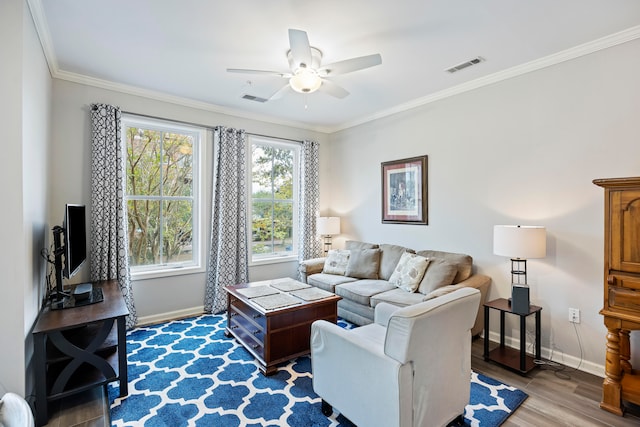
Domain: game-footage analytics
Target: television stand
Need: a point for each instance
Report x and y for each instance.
(73, 299)
(75, 350)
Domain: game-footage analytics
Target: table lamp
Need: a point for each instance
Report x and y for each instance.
(327, 226)
(520, 242)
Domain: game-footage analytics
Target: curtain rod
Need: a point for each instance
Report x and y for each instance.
(205, 126)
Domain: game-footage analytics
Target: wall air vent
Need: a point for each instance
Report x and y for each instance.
(254, 98)
(465, 64)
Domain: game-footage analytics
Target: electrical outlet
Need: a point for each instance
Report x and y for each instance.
(574, 315)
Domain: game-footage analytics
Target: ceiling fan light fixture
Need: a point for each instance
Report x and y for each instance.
(305, 80)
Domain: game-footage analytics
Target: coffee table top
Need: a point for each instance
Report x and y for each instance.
(269, 296)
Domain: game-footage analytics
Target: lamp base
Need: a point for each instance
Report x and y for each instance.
(519, 298)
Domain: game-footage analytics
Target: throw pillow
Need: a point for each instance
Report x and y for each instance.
(336, 262)
(389, 257)
(439, 273)
(409, 272)
(364, 264)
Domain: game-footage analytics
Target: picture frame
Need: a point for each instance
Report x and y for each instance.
(404, 191)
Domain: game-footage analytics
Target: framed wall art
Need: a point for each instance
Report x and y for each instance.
(404, 191)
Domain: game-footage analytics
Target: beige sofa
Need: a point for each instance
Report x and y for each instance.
(361, 275)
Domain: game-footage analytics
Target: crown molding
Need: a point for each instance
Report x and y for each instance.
(177, 100)
(39, 21)
(615, 39)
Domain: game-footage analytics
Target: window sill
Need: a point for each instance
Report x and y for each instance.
(169, 272)
(273, 260)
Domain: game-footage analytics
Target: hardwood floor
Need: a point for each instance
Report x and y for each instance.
(556, 398)
(88, 409)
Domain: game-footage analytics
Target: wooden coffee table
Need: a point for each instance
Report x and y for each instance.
(272, 319)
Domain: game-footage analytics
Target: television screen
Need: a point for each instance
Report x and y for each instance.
(75, 239)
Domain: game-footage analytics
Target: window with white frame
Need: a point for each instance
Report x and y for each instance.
(163, 194)
(273, 202)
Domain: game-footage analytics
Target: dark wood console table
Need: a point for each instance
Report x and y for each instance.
(518, 361)
(80, 348)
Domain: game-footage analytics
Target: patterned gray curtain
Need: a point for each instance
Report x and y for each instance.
(228, 262)
(109, 238)
(309, 202)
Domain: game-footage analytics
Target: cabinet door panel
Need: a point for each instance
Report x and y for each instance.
(625, 231)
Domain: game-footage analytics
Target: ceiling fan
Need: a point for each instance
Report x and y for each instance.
(306, 75)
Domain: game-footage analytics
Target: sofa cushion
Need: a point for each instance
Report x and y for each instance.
(361, 291)
(461, 261)
(363, 263)
(409, 272)
(354, 244)
(439, 273)
(337, 261)
(389, 257)
(397, 297)
(328, 282)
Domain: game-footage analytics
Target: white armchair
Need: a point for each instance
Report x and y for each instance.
(15, 411)
(410, 368)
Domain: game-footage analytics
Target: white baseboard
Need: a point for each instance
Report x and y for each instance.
(171, 315)
(571, 362)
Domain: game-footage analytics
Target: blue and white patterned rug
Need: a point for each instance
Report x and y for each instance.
(187, 373)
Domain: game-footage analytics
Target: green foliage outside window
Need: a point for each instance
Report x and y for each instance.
(272, 200)
(160, 196)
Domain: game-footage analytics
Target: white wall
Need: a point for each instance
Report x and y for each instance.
(25, 85)
(155, 298)
(523, 151)
(36, 131)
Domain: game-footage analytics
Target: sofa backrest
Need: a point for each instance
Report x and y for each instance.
(463, 262)
(390, 255)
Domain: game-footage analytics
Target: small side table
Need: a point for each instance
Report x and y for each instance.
(511, 358)
(78, 348)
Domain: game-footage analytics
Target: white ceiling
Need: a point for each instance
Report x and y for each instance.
(179, 50)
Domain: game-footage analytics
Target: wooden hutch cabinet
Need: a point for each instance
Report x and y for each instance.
(621, 309)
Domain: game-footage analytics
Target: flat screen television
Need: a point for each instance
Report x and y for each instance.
(75, 239)
(70, 245)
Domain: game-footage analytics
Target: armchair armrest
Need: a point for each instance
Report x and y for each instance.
(310, 266)
(477, 281)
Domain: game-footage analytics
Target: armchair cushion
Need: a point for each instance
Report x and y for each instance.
(364, 263)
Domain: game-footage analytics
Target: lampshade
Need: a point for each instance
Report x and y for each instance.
(328, 225)
(520, 241)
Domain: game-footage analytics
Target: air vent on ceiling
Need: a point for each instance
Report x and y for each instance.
(465, 64)
(254, 98)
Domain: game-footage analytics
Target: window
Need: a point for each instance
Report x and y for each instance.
(274, 184)
(162, 194)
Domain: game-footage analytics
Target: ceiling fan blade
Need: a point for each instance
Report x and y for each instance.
(300, 48)
(280, 92)
(333, 89)
(349, 65)
(272, 73)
